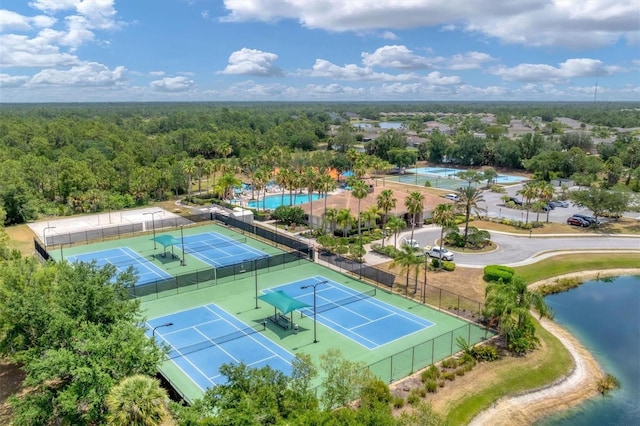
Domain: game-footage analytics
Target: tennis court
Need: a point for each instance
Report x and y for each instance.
(123, 258)
(218, 250)
(357, 315)
(202, 339)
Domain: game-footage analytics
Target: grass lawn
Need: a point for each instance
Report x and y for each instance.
(568, 263)
(511, 375)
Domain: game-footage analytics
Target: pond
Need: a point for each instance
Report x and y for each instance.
(605, 317)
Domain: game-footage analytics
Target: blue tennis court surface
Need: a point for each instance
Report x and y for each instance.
(218, 250)
(362, 318)
(122, 258)
(202, 339)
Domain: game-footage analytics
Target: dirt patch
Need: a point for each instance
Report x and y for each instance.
(21, 238)
(11, 377)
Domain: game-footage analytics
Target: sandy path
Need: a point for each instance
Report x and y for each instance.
(579, 385)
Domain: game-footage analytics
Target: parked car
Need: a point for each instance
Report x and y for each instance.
(452, 197)
(440, 253)
(547, 207)
(559, 203)
(411, 243)
(590, 219)
(576, 221)
(515, 201)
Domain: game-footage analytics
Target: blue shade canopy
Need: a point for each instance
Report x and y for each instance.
(166, 240)
(282, 301)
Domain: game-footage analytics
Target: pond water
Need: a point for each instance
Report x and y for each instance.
(605, 317)
(390, 125)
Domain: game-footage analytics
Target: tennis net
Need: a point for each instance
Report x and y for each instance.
(337, 303)
(216, 341)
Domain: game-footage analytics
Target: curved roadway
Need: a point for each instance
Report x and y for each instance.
(518, 249)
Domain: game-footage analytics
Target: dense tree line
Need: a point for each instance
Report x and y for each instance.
(65, 159)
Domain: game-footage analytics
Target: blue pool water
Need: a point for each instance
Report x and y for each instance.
(451, 173)
(273, 201)
(605, 317)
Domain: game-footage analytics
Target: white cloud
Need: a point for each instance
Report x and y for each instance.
(395, 57)
(40, 51)
(325, 69)
(12, 21)
(469, 60)
(98, 14)
(53, 5)
(252, 62)
(571, 68)
(438, 79)
(85, 74)
(388, 35)
(156, 73)
(7, 80)
(531, 22)
(173, 84)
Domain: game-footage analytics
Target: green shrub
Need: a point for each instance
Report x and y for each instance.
(430, 373)
(498, 272)
(431, 386)
(485, 353)
(449, 375)
(460, 371)
(448, 266)
(449, 363)
(414, 397)
(398, 402)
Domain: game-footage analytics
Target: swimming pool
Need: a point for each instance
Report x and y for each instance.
(271, 202)
(451, 173)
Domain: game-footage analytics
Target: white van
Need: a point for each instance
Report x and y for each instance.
(411, 243)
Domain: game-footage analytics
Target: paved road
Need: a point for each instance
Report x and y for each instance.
(521, 249)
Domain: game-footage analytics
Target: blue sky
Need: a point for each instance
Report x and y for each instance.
(319, 50)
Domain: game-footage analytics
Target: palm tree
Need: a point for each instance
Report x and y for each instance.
(344, 220)
(326, 185)
(360, 190)
(208, 168)
(529, 191)
(371, 215)
(445, 216)
(224, 149)
(408, 258)
(199, 162)
(511, 303)
(260, 179)
(189, 169)
(395, 225)
(137, 400)
(470, 196)
(310, 179)
(386, 202)
(414, 206)
(330, 216)
(546, 192)
(226, 184)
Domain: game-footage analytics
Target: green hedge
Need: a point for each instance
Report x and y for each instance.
(498, 272)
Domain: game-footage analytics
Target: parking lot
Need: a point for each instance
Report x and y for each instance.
(496, 208)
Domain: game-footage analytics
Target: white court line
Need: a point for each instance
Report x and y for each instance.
(189, 362)
(253, 338)
(379, 304)
(145, 264)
